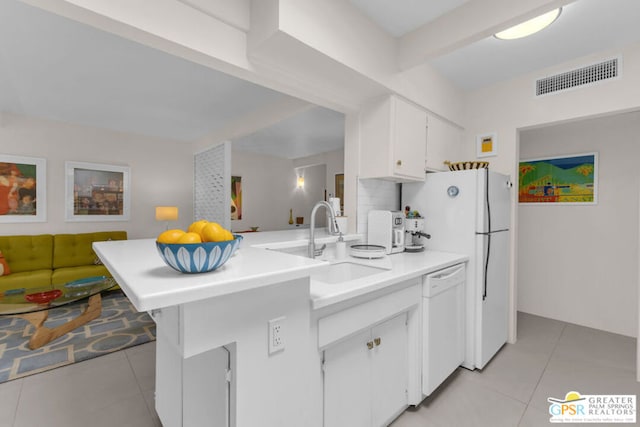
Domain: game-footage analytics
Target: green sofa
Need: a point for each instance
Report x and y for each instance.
(52, 259)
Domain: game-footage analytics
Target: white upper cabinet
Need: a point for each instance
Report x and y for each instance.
(393, 140)
(444, 142)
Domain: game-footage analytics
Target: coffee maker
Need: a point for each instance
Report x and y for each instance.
(414, 225)
(386, 228)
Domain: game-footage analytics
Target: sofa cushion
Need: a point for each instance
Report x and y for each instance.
(69, 274)
(26, 279)
(72, 250)
(28, 253)
(4, 267)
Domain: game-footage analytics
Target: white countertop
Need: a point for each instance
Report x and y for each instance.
(150, 283)
(400, 267)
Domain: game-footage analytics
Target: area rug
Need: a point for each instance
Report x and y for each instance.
(119, 326)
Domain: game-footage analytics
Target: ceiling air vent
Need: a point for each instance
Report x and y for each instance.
(579, 77)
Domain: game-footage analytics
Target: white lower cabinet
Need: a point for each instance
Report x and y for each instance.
(193, 391)
(390, 369)
(366, 376)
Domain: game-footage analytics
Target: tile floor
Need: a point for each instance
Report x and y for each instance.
(549, 359)
(112, 390)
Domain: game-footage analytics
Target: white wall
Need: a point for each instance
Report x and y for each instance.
(304, 199)
(269, 191)
(507, 107)
(268, 184)
(335, 165)
(375, 194)
(579, 263)
(161, 172)
(504, 108)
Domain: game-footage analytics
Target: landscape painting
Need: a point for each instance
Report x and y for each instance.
(559, 180)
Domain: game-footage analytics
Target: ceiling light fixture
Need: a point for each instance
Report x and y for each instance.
(529, 27)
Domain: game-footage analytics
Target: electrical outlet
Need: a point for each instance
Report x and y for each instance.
(276, 335)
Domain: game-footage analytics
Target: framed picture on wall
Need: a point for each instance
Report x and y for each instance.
(236, 197)
(97, 192)
(487, 145)
(340, 189)
(23, 189)
(561, 180)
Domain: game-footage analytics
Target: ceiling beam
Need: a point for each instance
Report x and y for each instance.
(471, 22)
(167, 25)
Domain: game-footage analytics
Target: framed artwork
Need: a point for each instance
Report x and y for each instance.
(23, 189)
(487, 145)
(559, 180)
(236, 197)
(340, 189)
(97, 192)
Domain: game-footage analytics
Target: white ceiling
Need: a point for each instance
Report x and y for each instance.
(398, 17)
(314, 131)
(56, 68)
(584, 27)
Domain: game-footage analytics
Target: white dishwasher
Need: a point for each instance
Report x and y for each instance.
(442, 325)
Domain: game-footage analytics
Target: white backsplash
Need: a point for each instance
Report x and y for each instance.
(375, 194)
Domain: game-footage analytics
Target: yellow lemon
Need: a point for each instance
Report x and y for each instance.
(213, 232)
(170, 236)
(190, 237)
(228, 235)
(197, 226)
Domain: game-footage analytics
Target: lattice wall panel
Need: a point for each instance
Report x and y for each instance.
(212, 194)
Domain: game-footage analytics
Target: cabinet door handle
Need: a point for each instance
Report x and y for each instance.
(377, 341)
(399, 162)
(370, 345)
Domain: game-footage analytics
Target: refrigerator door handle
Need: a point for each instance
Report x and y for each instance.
(488, 233)
(486, 267)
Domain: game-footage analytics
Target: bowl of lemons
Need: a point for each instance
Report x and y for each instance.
(205, 246)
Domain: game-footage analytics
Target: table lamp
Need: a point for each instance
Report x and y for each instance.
(166, 213)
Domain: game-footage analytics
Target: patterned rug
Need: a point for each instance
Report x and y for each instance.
(120, 326)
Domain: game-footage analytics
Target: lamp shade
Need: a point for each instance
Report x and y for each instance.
(166, 213)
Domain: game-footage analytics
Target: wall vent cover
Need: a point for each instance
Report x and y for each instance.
(579, 77)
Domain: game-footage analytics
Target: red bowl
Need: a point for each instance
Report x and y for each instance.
(43, 297)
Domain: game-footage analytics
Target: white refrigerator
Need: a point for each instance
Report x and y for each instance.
(466, 213)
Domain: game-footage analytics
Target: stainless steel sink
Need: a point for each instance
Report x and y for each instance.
(344, 271)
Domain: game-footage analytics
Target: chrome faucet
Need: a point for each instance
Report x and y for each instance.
(332, 227)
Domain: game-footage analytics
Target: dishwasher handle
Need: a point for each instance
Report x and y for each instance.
(441, 281)
(445, 274)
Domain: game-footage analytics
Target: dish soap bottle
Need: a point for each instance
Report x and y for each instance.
(341, 248)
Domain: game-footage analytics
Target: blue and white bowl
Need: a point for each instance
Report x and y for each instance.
(198, 257)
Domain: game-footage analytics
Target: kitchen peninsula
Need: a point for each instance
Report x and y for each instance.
(215, 364)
